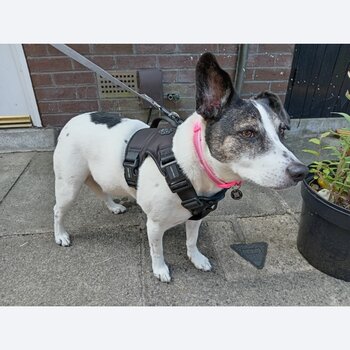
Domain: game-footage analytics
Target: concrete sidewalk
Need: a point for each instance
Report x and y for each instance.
(109, 261)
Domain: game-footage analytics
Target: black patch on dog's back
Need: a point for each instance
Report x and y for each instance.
(106, 118)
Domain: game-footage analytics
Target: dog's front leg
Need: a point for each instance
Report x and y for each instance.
(198, 259)
(155, 233)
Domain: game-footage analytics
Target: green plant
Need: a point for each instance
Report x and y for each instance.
(333, 174)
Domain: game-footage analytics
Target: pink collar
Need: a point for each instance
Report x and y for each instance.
(197, 141)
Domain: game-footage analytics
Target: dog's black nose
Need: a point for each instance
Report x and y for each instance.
(297, 171)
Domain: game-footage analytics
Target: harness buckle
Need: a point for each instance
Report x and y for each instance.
(167, 159)
(131, 159)
(179, 185)
(192, 203)
(131, 167)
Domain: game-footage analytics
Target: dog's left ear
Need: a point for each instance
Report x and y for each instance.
(275, 103)
(213, 87)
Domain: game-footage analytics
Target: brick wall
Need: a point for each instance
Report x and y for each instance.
(64, 88)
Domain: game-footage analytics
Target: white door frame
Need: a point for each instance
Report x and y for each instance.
(26, 82)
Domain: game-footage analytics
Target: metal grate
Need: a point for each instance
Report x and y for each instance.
(108, 90)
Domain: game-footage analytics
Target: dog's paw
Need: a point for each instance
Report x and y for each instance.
(200, 261)
(117, 208)
(162, 273)
(62, 239)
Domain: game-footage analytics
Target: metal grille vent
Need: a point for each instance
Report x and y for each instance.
(108, 90)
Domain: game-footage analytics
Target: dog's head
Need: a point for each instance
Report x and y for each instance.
(245, 134)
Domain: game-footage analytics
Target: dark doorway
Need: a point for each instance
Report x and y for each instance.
(318, 81)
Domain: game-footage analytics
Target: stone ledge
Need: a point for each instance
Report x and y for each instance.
(25, 140)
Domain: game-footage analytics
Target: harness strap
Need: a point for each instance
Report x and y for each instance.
(199, 206)
(157, 143)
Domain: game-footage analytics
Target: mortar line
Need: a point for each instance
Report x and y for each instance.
(19, 176)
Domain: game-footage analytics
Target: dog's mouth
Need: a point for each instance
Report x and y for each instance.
(277, 187)
(283, 187)
(287, 184)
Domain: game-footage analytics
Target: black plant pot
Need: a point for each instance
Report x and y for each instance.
(324, 234)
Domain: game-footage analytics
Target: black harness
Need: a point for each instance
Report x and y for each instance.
(157, 143)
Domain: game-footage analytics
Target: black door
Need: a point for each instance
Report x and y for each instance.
(318, 81)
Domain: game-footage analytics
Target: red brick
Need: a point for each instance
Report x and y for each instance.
(283, 60)
(253, 48)
(105, 62)
(86, 92)
(227, 61)
(83, 49)
(276, 48)
(140, 115)
(53, 51)
(197, 48)
(272, 74)
(228, 48)
(279, 87)
(41, 80)
(186, 76)
(67, 106)
(178, 61)
(129, 103)
(57, 64)
(78, 106)
(249, 74)
(56, 119)
(254, 87)
(135, 62)
(120, 105)
(35, 50)
(74, 78)
(110, 105)
(169, 76)
(113, 49)
(48, 107)
(262, 60)
(182, 104)
(53, 94)
(185, 90)
(155, 48)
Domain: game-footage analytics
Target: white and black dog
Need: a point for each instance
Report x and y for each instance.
(241, 140)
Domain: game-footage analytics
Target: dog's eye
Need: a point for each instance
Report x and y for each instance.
(281, 130)
(248, 134)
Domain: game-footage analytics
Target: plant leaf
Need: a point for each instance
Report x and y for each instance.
(345, 115)
(347, 94)
(330, 147)
(325, 134)
(315, 153)
(313, 171)
(340, 183)
(315, 141)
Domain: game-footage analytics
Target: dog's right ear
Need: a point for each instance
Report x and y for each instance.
(213, 87)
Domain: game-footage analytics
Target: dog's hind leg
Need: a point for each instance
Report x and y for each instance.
(111, 205)
(70, 175)
(198, 259)
(155, 233)
(66, 192)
